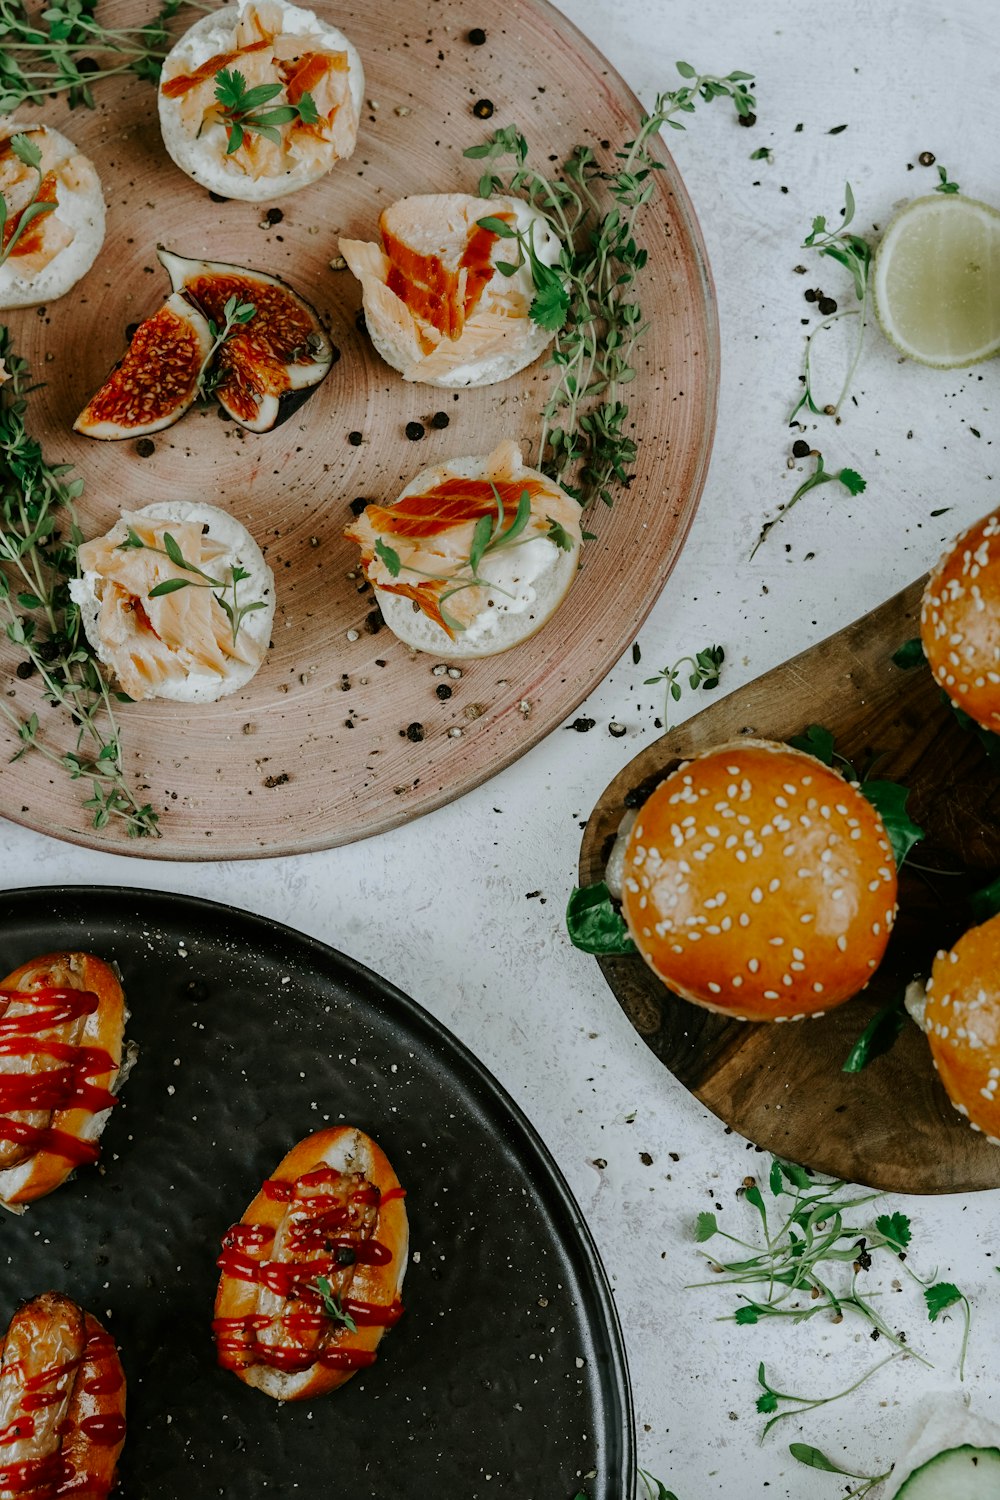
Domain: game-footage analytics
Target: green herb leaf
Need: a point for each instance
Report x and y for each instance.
(910, 654)
(767, 1402)
(500, 227)
(594, 923)
(852, 481)
(814, 1458)
(332, 1305)
(169, 586)
(817, 740)
(559, 535)
(895, 1228)
(481, 538)
(889, 800)
(25, 150)
(985, 902)
(389, 556)
(878, 1036)
(944, 184)
(940, 1296)
(707, 1225)
(747, 1314)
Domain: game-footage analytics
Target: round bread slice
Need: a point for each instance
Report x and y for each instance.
(311, 1275)
(199, 148)
(759, 883)
(74, 228)
(437, 307)
(45, 1140)
(960, 622)
(530, 578)
(152, 646)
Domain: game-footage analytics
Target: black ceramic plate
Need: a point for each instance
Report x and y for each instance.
(505, 1378)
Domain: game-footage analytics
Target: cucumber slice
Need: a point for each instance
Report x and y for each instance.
(965, 1473)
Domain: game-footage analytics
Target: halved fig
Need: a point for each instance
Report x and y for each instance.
(156, 381)
(268, 365)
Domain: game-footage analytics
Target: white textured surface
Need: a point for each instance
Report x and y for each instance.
(442, 907)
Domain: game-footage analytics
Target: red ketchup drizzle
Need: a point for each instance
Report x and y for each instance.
(319, 1229)
(64, 1087)
(105, 1430)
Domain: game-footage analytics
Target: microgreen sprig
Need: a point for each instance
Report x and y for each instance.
(235, 314)
(849, 478)
(941, 1296)
(65, 50)
(854, 253)
(39, 536)
(240, 109)
(332, 1305)
(235, 611)
(945, 184)
(28, 153)
(706, 665)
(770, 1399)
(815, 1458)
(588, 297)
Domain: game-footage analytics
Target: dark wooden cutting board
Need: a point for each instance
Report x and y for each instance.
(890, 1126)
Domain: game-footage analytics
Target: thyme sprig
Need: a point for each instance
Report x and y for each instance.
(235, 314)
(849, 478)
(332, 1305)
(39, 536)
(28, 153)
(588, 298)
(706, 666)
(66, 49)
(235, 612)
(854, 253)
(240, 109)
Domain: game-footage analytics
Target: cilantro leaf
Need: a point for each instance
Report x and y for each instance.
(767, 1402)
(744, 1316)
(558, 534)
(889, 800)
(852, 481)
(940, 1296)
(550, 307)
(706, 1227)
(895, 1228)
(817, 740)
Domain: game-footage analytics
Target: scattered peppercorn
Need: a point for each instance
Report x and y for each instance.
(477, 36)
(415, 732)
(811, 294)
(87, 65)
(443, 690)
(827, 306)
(440, 420)
(748, 119)
(373, 621)
(800, 448)
(926, 158)
(145, 447)
(355, 439)
(582, 725)
(483, 109)
(414, 431)
(274, 216)
(218, 198)
(131, 331)
(358, 505)
(24, 670)
(359, 321)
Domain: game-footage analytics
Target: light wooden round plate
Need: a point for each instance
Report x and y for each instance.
(316, 751)
(783, 1087)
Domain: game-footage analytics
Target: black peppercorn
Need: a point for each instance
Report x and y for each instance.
(827, 306)
(800, 448)
(477, 36)
(440, 420)
(355, 439)
(483, 109)
(358, 505)
(811, 295)
(443, 690)
(274, 216)
(414, 431)
(145, 447)
(926, 158)
(131, 331)
(415, 732)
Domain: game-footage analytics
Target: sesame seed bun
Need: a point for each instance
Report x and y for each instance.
(961, 1018)
(960, 622)
(759, 883)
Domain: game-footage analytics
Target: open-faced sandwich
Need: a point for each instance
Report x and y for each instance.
(260, 98)
(177, 601)
(446, 296)
(758, 882)
(311, 1274)
(474, 556)
(62, 1019)
(62, 1404)
(52, 227)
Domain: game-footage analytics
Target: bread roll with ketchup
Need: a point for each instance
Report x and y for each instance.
(311, 1274)
(62, 1404)
(62, 1019)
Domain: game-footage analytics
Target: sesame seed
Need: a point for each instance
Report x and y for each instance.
(757, 895)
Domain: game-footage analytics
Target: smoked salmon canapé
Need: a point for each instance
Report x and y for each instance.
(62, 1404)
(62, 1020)
(447, 297)
(53, 224)
(259, 99)
(311, 1275)
(176, 601)
(474, 556)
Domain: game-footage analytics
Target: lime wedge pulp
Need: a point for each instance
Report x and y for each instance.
(937, 281)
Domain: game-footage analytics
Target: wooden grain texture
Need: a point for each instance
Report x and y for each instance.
(782, 1086)
(315, 751)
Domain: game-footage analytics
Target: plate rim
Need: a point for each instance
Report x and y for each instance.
(326, 957)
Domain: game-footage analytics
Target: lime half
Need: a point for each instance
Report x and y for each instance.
(937, 281)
